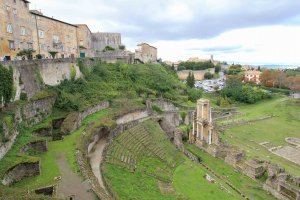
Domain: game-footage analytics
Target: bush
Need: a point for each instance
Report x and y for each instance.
(6, 84)
(23, 96)
(39, 56)
(111, 81)
(238, 91)
(194, 94)
(195, 65)
(157, 109)
(208, 75)
(217, 69)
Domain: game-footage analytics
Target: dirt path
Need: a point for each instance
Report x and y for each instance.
(96, 158)
(71, 183)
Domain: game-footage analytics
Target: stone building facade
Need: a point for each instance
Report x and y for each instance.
(54, 35)
(101, 40)
(17, 29)
(84, 37)
(22, 28)
(146, 53)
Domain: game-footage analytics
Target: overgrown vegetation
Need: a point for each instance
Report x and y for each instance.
(190, 80)
(111, 81)
(6, 84)
(240, 92)
(195, 65)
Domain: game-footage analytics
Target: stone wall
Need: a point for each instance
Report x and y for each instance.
(30, 114)
(21, 171)
(101, 40)
(36, 111)
(30, 75)
(73, 121)
(132, 116)
(198, 74)
(41, 146)
(165, 105)
(116, 56)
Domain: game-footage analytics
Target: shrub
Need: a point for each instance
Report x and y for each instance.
(157, 109)
(6, 84)
(39, 56)
(208, 75)
(194, 94)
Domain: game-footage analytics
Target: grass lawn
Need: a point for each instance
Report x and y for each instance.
(274, 130)
(246, 185)
(188, 179)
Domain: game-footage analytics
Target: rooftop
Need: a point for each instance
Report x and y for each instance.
(38, 13)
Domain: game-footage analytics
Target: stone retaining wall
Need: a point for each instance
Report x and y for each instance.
(73, 121)
(21, 171)
(41, 146)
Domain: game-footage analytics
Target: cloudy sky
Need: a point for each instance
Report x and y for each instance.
(240, 31)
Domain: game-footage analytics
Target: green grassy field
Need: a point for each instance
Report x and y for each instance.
(286, 123)
(246, 185)
(189, 180)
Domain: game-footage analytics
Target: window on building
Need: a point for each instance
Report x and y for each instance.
(15, 11)
(55, 39)
(25, 5)
(30, 46)
(23, 31)
(15, 1)
(41, 34)
(9, 28)
(81, 43)
(7, 7)
(68, 38)
(11, 44)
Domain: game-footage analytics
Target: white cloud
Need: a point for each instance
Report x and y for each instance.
(262, 45)
(252, 31)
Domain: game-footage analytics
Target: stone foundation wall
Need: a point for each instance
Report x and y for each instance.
(36, 111)
(30, 75)
(132, 116)
(73, 121)
(21, 171)
(41, 146)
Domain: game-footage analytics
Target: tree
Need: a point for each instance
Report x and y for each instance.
(53, 54)
(183, 115)
(26, 52)
(194, 94)
(108, 48)
(190, 80)
(208, 75)
(217, 69)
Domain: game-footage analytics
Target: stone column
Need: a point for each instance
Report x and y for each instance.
(209, 137)
(202, 132)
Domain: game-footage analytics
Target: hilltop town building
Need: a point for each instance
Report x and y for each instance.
(146, 53)
(101, 40)
(252, 76)
(17, 28)
(24, 29)
(54, 35)
(84, 40)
